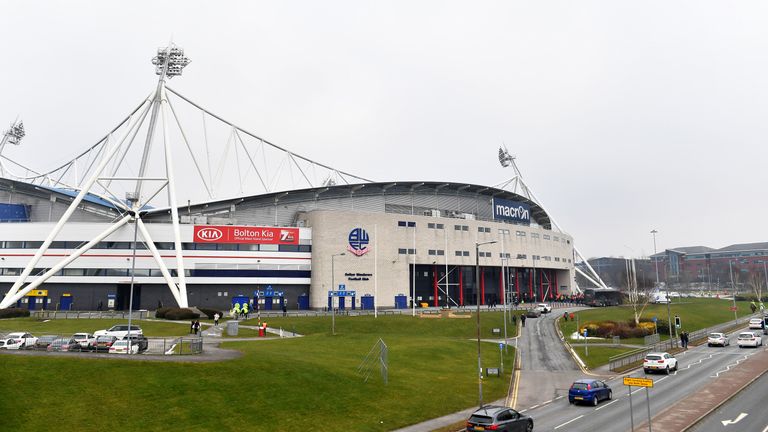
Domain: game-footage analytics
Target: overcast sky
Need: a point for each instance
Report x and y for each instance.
(624, 116)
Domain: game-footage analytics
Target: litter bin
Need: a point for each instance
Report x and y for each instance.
(261, 331)
(232, 327)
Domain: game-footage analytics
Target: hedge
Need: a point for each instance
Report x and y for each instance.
(210, 312)
(181, 314)
(14, 313)
(160, 312)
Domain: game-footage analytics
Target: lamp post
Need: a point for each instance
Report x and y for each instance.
(133, 201)
(655, 258)
(733, 290)
(333, 290)
(666, 286)
(477, 287)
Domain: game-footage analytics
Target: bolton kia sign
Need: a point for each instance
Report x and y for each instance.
(246, 234)
(511, 210)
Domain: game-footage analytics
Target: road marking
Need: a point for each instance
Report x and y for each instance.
(738, 418)
(534, 407)
(544, 403)
(662, 379)
(569, 421)
(766, 429)
(603, 406)
(637, 390)
(729, 366)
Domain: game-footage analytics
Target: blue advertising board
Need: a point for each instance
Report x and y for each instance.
(513, 211)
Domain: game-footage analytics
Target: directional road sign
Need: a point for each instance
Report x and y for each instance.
(638, 382)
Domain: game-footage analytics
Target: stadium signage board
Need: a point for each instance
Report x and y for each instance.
(245, 234)
(513, 211)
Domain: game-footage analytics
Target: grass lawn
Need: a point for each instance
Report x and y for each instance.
(307, 383)
(598, 355)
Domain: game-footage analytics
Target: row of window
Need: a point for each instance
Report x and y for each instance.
(159, 246)
(481, 254)
(273, 271)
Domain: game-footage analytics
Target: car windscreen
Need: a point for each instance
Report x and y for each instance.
(716, 335)
(579, 386)
(653, 357)
(746, 336)
(481, 419)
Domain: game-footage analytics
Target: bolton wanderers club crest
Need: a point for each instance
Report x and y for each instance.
(358, 242)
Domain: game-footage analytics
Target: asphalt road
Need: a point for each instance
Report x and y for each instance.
(697, 367)
(547, 369)
(745, 412)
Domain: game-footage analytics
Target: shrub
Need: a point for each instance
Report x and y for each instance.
(210, 312)
(624, 330)
(181, 314)
(14, 313)
(160, 312)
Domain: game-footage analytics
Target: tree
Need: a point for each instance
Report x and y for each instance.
(638, 297)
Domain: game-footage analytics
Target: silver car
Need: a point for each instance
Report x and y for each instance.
(718, 339)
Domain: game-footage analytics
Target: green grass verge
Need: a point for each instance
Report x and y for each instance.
(307, 383)
(598, 355)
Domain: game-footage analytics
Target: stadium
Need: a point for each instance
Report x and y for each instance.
(86, 243)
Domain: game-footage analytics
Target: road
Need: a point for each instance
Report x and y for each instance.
(745, 412)
(547, 369)
(697, 367)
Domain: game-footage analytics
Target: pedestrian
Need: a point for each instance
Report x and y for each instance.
(192, 327)
(245, 310)
(100, 306)
(236, 310)
(197, 326)
(514, 320)
(216, 317)
(285, 309)
(522, 320)
(565, 316)
(753, 306)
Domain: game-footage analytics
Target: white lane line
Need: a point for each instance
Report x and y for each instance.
(549, 401)
(569, 421)
(534, 407)
(603, 406)
(637, 390)
(766, 429)
(522, 411)
(662, 379)
(729, 366)
(559, 397)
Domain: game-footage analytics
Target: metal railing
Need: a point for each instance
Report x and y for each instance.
(50, 314)
(621, 361)
(184, 345)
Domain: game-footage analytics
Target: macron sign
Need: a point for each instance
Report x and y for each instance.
(246, 234)
(511, 210)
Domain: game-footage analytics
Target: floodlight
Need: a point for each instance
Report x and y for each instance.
(15, 133)
(175, 59)
(504, 157)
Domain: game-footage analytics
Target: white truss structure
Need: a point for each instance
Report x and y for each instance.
(517, 186)
(139, 186)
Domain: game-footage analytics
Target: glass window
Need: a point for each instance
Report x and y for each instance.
(14, 245)
(411, 224)
(58, 245)
(167, 245)
(116, 272)
(268, 247)
(487, 229)
(480, 229)
(465, 228)
(431, 252)
(458, 253)
(465, 253)
(249, 247)
(401, 223)
(457, 227)
(72, 272)
(33, 244)
(205, 246)
(440, 252)
(546, 236)
(411, 251)
(304, 248)
(402, 251)
(431, 225)
(289, 248)
(520, 233)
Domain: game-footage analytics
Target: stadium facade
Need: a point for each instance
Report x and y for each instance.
(378, 243)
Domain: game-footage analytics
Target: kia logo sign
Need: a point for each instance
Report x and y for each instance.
(209, 234)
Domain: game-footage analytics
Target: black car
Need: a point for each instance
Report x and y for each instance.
(533, 313)
(499, 418)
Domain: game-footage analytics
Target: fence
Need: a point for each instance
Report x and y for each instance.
(49, 314)
(184, 345)
(621, 361)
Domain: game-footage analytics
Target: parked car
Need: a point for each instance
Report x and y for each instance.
(122, 346)
(750, 339)
(45, 340)
(140, 341)
(590, 391)
(719, 339)
(499, 418)
(659, 361)
(533, 313)
(544, 308)
(64, 344)
(87, 341)
(765, 325)
(119, 331)
(104, 342)
(756, 324)
(24, 340)
(9, 344)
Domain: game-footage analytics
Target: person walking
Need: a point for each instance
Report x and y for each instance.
(196, 325)
(245, 310)
(514, 320)
(236, 310)
(285, 309)
(216, 317)
(192, 327)
(565, 316)
(522, 319)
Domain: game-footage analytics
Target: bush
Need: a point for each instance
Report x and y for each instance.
(624, 330)
(181, 314)
(14, 313)
(210, 312)
(160, 312)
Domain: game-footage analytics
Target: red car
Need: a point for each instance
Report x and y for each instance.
(64, 344)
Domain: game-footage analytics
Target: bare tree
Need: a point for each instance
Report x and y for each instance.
(756, 283)
(638, 297)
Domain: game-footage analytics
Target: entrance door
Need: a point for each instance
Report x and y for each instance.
(65, 303)
(124, 295)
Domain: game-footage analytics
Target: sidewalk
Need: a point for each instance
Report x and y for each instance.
(685, 413)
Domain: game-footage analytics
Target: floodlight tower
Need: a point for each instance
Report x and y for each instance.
(169, 62)
(518, 186)
(13, 135)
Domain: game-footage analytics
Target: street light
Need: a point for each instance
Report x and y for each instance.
(333, 290)
(733, 290)
(133, 201)
(477, 287)
(655, 258)
(666, 286)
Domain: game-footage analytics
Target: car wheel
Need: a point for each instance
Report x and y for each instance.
(610, 395)
(709, 344)
(675, 366)
(594, 401)
(646, 371)
(667, 370)
(529, 427)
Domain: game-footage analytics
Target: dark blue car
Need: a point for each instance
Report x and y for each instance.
(589, 391)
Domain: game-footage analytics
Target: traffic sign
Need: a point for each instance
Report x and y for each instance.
(733, 308)
(501, 345)
(638, 382)
(654, 319)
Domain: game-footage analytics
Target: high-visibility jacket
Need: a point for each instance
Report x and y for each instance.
(237, 308)
(245, 307)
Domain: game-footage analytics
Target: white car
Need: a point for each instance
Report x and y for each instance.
(22, 340)
(750, 339)
(719, 339)
(9, 344)
(121, 347)
(119, 331)
(544, 308)
(86, 340)
(755, 324)
(659, 361)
